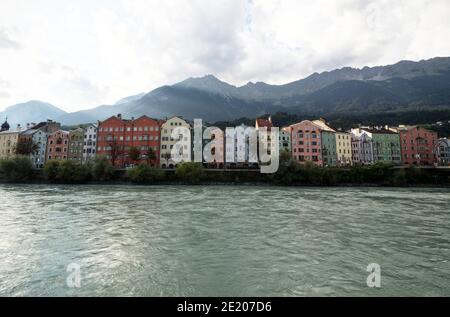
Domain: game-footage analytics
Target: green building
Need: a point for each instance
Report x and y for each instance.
(329, 148)
(76, 143)
(386, 145)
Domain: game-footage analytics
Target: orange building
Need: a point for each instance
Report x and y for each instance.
(57, 146)
(117, 136)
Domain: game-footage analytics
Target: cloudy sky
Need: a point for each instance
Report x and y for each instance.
(77, 54)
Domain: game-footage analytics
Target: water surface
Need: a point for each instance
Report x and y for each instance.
(223, 241)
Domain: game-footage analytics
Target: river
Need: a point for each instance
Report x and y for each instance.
(222, 241)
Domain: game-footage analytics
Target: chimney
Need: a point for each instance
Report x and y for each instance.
(18, 127)
(28, 126)
(119, 116)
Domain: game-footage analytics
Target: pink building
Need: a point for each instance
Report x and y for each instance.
(418, 145)
(57, 146)
(307, 142)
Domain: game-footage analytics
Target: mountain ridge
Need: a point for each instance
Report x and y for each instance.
(401, 86)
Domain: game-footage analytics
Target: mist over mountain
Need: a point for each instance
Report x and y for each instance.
(31, 111)
(404, 86)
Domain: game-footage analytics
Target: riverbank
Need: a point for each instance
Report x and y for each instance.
(289, 174)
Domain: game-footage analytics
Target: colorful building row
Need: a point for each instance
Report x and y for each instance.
(127, 142)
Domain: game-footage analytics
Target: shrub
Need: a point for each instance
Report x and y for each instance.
(190, 172)
(101, 169)
(145, 174)
(17, 169)
(51, 170)
(67, 172)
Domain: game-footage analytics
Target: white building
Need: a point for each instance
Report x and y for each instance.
(443, 152)
(362, 147)
(241, 146)
(168, 142)
(90, 142)
(285, 140)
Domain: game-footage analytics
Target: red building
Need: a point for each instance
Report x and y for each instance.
(57, 146)
(418, 145)
(307, 142)
(117, 136)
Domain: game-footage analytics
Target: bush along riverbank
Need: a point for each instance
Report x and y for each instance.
(290, 173)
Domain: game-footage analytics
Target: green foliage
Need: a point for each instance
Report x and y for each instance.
(145, 174)
(51, 170)
(26, 147)
(101, 169)
(67, 172)
(17, 169)
(190, 172)
(134, 154)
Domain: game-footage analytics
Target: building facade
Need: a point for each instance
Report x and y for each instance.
(39, 139)
(57, 146)
(443, 152)
(306, 142)
(8, 143)
(385, 144)
(418, 145)
(344, 148)
(76, 145)
(116, 137)
(238, 154)
(362, 148)
(285, 140)
(168, 142)
(90, 142)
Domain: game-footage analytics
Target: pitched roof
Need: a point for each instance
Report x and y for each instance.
(264, 123)
(323, 125)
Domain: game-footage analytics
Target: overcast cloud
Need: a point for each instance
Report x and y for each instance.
(78, 54)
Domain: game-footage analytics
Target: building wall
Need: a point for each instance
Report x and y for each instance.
(57, 146)
(241, 151)
(217, 150)
(285, 140)
(167, 142)
(362, 149)
(306, 142)
(418, 146)
(119, 134)
(443, 152)
(76, 143)
(90, 143)
(386, 147)
(344, 148)
(8, 142)
(329, 148)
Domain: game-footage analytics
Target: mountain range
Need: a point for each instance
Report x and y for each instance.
(404, 86)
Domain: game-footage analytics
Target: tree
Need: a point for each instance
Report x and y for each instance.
(102, 169)
(26, 147)
(116, 151)
(134, 153)
(151, 155)
(17, 169)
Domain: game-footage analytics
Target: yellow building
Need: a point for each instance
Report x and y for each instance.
(168, 142)
(344, 148)
(8, 142)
